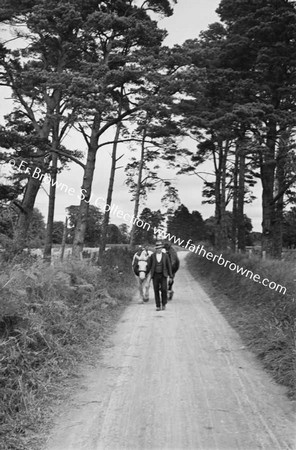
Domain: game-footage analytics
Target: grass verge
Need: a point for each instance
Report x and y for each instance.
(265, 319)
(50, 318)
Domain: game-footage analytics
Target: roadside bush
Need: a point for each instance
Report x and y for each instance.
(49, 316)
(117, 268)
(265, 319)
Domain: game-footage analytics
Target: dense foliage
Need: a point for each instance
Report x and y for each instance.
(50, 316)
(186, 225)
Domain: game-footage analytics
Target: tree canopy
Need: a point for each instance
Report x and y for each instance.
(186, 225)
(100, 66)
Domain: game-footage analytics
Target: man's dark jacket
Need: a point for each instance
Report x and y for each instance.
(166, 265)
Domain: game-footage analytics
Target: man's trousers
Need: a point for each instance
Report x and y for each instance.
(160, 284)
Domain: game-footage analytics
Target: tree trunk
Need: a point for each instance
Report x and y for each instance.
(241, 232)
(80, 229)
(93, 145)
(234, 203)
(110, 190)
(280, 188)
(56, 139)
(26, 210)
(278, 229)
(268, 165)
(27, 206)
(138, 188)
(224, 236)
(51, 206)
(217, 200)
(220, 191)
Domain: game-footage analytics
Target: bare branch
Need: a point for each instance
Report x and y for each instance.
(119, 157)
(119, 141)
(116, 120)
(84, 134)
(10, 40)
(282, 192)
(18, 205)
(69, 156)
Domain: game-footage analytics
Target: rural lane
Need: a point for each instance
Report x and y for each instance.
(176, 379)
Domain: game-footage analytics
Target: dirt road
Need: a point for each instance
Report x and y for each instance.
(176, 379)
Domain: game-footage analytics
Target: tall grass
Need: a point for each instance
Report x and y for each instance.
(265, 319)
(49, 316)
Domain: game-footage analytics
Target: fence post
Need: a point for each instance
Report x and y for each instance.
(64, 238)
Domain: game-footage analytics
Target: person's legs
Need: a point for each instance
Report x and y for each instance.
(140, 288)
(146, 287)
(170, 288)
(164, 292)
(156, 286)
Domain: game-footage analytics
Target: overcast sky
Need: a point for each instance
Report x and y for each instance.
(189, 19)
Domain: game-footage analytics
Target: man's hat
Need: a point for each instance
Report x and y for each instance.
(158, 244)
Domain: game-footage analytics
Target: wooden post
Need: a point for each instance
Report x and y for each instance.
(64, 238)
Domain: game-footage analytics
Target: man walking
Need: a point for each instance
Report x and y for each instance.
(161, 269)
